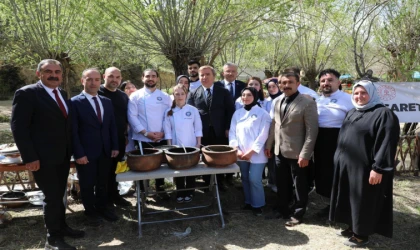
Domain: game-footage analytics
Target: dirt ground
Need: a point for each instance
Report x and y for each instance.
(243, 230)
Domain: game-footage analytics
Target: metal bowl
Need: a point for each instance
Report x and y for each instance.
(150, 160)
(17, 198)
(178, 159)
(164, 147)
(219, 156)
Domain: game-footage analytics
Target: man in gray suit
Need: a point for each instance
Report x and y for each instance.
(293, 130)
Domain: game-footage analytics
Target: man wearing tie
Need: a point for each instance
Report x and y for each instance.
(216, 108)
(42, 131)
(235, 87)
(95, 142)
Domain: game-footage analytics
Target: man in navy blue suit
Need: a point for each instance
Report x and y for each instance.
(95, 142)
(229, 82)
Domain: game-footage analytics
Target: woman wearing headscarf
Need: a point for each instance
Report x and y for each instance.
(185, 81)
(256, 83)
(273, 92)
(248, 132)
(364, 168)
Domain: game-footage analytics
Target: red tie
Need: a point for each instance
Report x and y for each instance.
(98, 109)
(60, 103)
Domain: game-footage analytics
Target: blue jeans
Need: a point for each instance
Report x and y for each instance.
(251, 175)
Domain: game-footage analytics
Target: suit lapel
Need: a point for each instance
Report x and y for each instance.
(49, 100)
(90, 109)
(292, 106)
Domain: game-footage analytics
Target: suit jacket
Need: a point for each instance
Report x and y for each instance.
(90, 137)
(40, 130)
(296, 133)
(239, 86)
(218, 113)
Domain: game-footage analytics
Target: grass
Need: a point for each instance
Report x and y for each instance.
(4, 118)
(242, 231)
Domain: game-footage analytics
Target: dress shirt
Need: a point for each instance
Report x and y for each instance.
(50, 92)
(92, 103)
(205, 91)
(194, 85)
(333, 109)
(227, 86)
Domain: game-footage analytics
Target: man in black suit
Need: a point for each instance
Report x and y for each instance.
(95, 143)
(42, 131)
(216, 109)
(230, 73)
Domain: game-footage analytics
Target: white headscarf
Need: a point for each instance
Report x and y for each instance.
(374, 98)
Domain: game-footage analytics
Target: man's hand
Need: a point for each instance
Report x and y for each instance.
(375, 178)
(303, 162)
(32, 166)
(247, 156)
(155, 136)
(114, 153)
(82, 161)
(267, 153)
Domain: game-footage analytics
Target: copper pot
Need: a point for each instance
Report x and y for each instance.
(163, 148)
(178, 159)
(219, 156)
(14, 196)
(150, 160)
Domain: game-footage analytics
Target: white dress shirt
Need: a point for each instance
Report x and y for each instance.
(146, 111)
(205, 90)
(333, 109)
(249, 130)
(227, 86)
(92, 103)
(183, 126)
(50, 92)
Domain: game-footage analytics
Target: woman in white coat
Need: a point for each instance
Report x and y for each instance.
(183, 127)
(248, 132)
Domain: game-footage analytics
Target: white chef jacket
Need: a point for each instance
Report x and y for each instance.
(333, 109)
(183, 126)
(239, 104)
(249, 130)
(146, 110)
(308, 91)
(267, 104)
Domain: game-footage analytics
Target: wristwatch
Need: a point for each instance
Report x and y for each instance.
(145, 134)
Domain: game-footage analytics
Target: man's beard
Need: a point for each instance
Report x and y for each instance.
(194, 75)
(151, 86)
(329, 91)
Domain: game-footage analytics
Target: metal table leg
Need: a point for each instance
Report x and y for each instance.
(139, 207)
(218, 202)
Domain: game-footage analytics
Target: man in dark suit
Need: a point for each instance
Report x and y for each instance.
(230, 73)
(95, 142)
(42, 131)
(216, 109)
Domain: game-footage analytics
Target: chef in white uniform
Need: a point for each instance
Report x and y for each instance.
(183, 127)
(146, 110)
(248, 132)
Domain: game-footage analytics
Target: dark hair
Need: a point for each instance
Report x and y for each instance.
(329, 71)
(157, 73)
(178, 86)
(191, 62)
(289, 74)
(123, 84)
(292, 69)
(261, 92)
(181, 76)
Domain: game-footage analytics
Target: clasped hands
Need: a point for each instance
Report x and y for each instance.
(245, 156)
(155, 136)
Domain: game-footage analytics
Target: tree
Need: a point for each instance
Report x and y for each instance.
(184, 29)
(52, 29)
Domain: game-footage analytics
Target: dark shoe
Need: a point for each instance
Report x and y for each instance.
(222, 187)
(246, 207)
(179, 199)
(188, 198)
(353, 241)
(292, 222)
(108, 215)
(72, 233)
(324, 212)
(121, 202)
(346, 233)
(58, 244)
(94, 220)
(257, 211)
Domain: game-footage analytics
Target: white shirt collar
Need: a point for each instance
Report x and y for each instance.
(46, 87)
(211, 88)
(227, 82)
(89, 95)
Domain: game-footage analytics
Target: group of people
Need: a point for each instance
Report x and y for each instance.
(346, 144)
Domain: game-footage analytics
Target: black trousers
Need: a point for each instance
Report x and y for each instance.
(289, 174)
(52, 180)
(185, 182)
(93, 181)
(211, 139)
(158, 182)
(113, 192)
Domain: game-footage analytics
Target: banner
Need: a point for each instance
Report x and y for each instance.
(401, 97)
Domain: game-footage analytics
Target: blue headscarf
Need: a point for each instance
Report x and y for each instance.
(374, 98)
